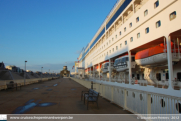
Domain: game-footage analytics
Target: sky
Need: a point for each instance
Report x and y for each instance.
(48, 33)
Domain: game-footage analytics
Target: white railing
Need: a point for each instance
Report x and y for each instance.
(137, 101)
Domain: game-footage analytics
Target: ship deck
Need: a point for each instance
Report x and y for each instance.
(60, 96)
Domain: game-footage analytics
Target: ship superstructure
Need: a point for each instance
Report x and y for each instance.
(138, 47)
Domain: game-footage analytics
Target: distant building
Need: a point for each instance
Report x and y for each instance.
(11, 67)
(14, 68)
(28, 71)
(2, 66)
(65, 72)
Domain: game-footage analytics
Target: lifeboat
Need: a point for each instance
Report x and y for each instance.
(90, 70)
(122, 63)
(154, 56)
(105, 67)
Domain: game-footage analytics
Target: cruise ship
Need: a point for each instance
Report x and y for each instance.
(134, 59)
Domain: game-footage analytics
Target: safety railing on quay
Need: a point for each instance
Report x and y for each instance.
(137, 101)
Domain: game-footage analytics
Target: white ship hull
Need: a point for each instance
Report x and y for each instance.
(141, 25)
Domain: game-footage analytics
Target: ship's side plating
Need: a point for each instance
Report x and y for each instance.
(132, 27)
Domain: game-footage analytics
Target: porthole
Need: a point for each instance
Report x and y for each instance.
(178, 107)
(133, 94)
(141, 97)
(173, 15)
(162, 103)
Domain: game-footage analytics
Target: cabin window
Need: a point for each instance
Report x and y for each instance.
(138, 76)
(125, 42)
(125, 29)
(158, 24)
(116, 47)
(138, 35)
(179, 76)
(120, 33)
(143, 76)
(147, 30)
(116, 62)
(127, 59)
(173, 15)
(137, 19)
(156, 4)
(158, 76)
(120, 45)
(167, 76)
(145, 12)
(123, 60)
(120, 60)
(130, 25)
(131, 39)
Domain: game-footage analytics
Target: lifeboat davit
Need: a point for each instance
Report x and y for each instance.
(154, 56)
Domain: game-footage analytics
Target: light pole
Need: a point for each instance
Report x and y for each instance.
(49, 73)
(25, 73)
(41, 72)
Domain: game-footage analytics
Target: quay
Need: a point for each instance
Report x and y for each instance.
(62, 94)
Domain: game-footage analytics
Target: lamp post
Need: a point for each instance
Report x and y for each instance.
(49, 73)
(41, 72)
(25, 73)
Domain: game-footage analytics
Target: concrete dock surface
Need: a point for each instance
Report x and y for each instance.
(60, 96)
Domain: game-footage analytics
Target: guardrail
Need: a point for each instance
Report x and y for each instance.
(137, 101)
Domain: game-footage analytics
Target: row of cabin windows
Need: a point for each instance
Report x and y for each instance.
(158, 23)
(158, 76)
(122, 60)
